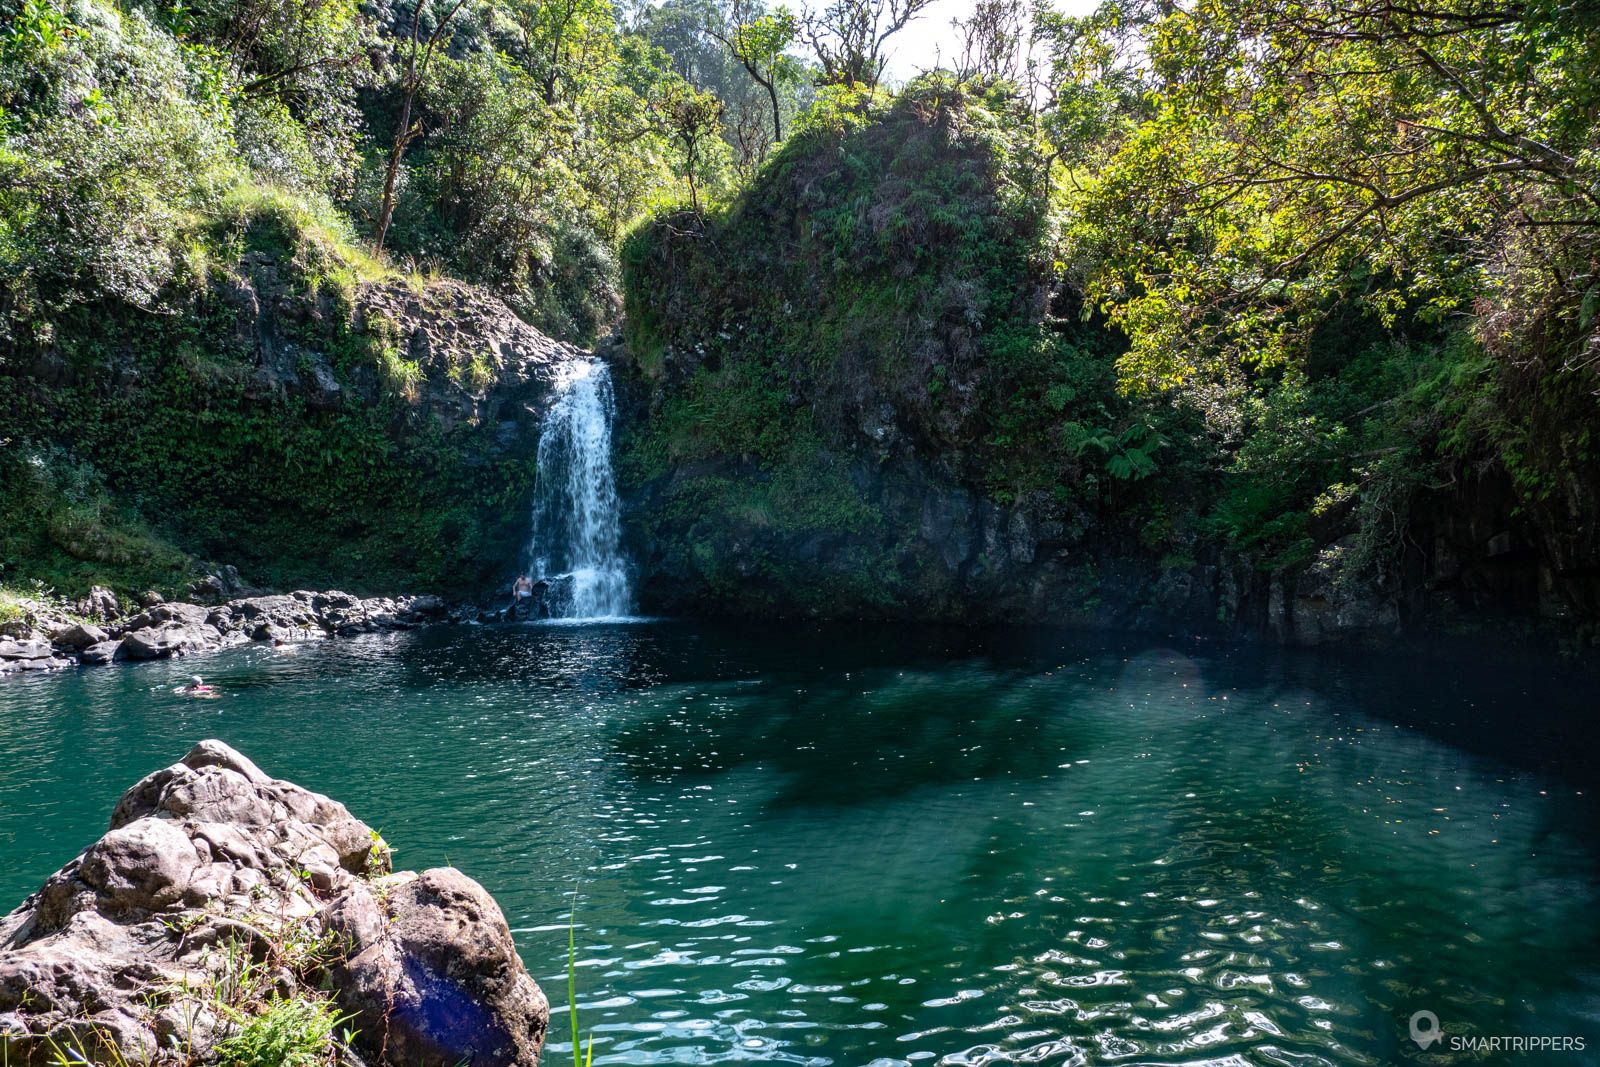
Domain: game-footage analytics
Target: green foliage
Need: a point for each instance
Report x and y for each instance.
(740, 409)
(1128, 456)
(906, 252)
(106, 155)
(1257, 272)
(364, 495)
(1315, 156)
(1356, 240)
(578, 1060)
(1348, 447)
(39, 31)
(291, 72)
(61, 527)
(287, 1032)
(497, 193)
(534, 155)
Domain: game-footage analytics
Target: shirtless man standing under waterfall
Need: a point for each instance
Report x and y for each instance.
(521, 591)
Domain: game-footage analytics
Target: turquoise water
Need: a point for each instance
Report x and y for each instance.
(832, 845)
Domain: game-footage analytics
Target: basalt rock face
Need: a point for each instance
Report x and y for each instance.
(919, 542)
(478, 362)
(938, 549)
(370, 435)
(217, 892)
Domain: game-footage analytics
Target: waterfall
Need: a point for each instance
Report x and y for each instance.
(575, 554)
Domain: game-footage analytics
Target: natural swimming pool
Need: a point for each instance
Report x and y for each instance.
(852, 845)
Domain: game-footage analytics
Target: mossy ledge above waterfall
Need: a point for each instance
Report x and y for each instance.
(870, 386)
(289, 407)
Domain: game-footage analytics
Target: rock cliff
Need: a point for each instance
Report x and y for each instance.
(873, 387)
(313, 424)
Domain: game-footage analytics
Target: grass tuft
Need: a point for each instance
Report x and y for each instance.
(288, 1032)
(572, 988)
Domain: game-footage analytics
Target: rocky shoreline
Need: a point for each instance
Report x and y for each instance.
(224, 907)
(97, 630)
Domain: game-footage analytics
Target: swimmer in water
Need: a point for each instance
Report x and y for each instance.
(196, 688)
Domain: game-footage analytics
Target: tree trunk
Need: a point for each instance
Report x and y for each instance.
(777, 119)
(401, 135)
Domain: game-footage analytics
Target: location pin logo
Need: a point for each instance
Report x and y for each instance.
(1425, 1028)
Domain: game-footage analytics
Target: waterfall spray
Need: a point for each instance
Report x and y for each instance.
(576, 544)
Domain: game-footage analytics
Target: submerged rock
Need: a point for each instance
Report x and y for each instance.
(218, 893)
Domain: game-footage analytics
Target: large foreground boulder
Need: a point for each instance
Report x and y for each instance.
(431, 970)
(221, 898)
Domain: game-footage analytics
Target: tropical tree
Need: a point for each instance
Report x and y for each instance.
(1314, 154)
(419, 54)
(848, 36)
(565, 43)
(992, 38)
(759, 42)
(694, 117)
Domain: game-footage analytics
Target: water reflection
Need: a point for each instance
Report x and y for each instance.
(855, 845)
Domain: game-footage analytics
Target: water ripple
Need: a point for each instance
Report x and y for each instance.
(821, 846)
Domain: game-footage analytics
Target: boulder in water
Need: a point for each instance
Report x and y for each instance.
(104, 652)
(431, 973)
(30, 648)
(78, 636)
(29, 654)
(425, 607)
(220, 893)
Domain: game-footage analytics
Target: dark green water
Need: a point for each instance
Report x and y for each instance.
(877, 846)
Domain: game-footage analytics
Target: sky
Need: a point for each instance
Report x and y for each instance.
(930, 38)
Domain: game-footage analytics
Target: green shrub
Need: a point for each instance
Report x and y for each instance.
(96, 201)
(61, 527)
(287, 1032)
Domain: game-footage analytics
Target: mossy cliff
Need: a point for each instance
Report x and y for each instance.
(863, 391)
(289, 408)
(869, 386)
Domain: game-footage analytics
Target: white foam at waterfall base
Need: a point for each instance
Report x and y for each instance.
(577, 530)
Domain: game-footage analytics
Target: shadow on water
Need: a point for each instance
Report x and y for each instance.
(891, 844)
(1531, 711)
(857, 736)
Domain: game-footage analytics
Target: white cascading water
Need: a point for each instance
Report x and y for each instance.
(577, 533)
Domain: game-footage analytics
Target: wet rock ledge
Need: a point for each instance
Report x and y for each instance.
(99, 631)
(223, 909)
